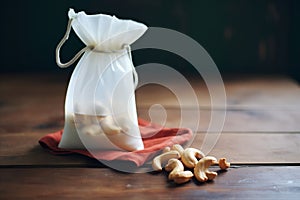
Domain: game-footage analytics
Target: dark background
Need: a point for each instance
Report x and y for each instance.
(242, 36)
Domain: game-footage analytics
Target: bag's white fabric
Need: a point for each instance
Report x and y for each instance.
(100, 110)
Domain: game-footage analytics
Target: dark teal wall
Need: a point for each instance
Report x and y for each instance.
(245, 36)
(294, 41)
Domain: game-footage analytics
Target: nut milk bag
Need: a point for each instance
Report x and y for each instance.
(100, 110)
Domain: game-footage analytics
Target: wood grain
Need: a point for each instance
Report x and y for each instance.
(252, 148)
(246, 148)
(240, 120)
(30, 119)
(30, 103)
(89, 183)
(242, 92)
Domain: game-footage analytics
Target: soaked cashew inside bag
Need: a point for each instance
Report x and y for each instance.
(111, 132)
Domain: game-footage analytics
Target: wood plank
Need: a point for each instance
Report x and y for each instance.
(252, 148)
(262, 92)
(242, 91)
(43, 119)
(24, 150)
(30, 102)
(92, 183)
(48, 116)
(239, 148)
(35, 102)
(275, 120)
(32, 120)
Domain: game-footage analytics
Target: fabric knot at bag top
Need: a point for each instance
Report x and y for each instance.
(100, 110)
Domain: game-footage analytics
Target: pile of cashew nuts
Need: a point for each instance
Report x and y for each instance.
(175, 159)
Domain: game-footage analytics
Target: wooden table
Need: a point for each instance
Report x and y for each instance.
(261, 138)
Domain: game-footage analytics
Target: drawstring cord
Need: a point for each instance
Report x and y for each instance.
(63, 40)
(82, 51)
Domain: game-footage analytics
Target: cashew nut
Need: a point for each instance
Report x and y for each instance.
(162, 159)
(91, 129)
(88, 124)
(211, 175)
(177, 174)
(223, 164)
(190, 157)
(108, 126)
(201, 170)
(166, 149)
(178, 147)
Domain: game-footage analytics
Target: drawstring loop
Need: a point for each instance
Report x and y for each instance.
(63, 40)
(82, 51)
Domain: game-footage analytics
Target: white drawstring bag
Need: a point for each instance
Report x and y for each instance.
(100, 110)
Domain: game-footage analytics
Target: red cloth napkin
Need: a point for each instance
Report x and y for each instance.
(155, 138)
